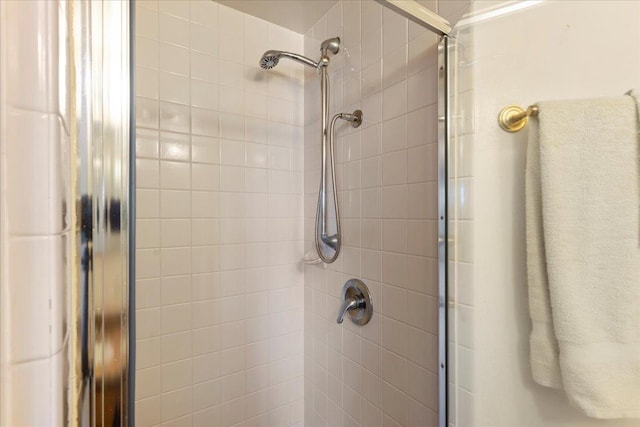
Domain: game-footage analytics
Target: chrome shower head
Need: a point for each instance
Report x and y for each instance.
(271, 58)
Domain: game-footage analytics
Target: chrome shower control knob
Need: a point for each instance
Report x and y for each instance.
(356, 302)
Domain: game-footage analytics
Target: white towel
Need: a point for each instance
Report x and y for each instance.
(583, 253)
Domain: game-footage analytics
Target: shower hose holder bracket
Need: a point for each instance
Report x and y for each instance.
(354, 118)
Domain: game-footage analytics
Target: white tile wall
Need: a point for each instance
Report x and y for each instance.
(34, 223)
(384, 373)
(219, 157)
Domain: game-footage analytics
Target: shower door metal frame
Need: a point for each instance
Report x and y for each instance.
(444, 127)
(102, 159)
(419, 14)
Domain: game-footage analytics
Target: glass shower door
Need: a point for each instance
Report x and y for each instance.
(515, 53)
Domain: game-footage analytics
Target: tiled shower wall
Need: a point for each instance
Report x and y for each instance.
(386, 372)
(34, 227)
(219, 192)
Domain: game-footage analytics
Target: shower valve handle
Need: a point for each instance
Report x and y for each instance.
(357, 302)
(347, 305)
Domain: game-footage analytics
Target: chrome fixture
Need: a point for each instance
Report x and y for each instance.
(354, 118)
(332, 45)
(333, 241)
(269, 60)
(357, 302)
(271, 57)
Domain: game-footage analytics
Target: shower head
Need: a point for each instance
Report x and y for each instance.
(271, 58)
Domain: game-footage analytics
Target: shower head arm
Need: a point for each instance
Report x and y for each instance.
(271, 57)
(290, 55)
(302, 59)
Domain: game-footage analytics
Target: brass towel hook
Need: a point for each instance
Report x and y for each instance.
(513, 118)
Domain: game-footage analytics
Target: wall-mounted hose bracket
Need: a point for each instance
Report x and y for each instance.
(354, 118)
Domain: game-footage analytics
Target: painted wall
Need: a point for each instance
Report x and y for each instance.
(550, 50)
(34, 223)
(219, 192)
(384, 373)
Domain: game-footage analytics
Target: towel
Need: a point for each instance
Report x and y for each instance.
(583, 253)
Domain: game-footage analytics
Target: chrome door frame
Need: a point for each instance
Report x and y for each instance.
(101, 373)
(444, 123)
(132, 217)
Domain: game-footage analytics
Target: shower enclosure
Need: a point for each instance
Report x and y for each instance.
(237, 124)
(182, 281)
